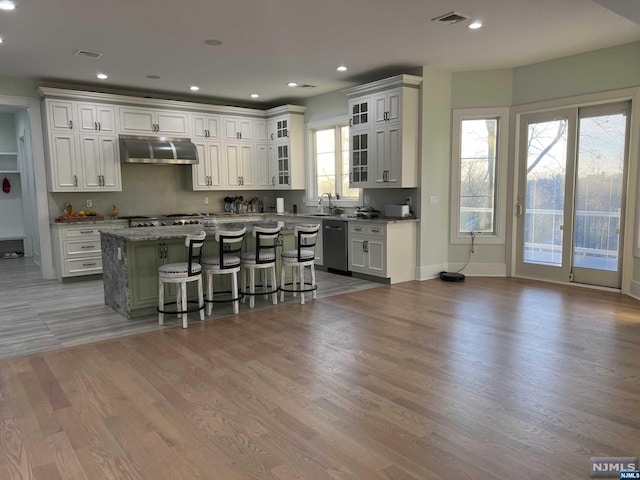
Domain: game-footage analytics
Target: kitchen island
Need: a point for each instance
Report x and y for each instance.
(131, 258)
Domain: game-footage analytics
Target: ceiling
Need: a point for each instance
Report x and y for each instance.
(267, 43)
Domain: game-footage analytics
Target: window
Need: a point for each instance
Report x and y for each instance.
(479, 175)
(330, 164)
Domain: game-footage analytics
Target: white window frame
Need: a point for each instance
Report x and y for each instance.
(502, 149)
(312, 194)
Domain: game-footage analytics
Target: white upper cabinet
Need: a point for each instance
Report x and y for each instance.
(148, 121)
(387, 106)
(60, 115)
(384, 119)
(100, 163)
(238, 129)
(262, 134)
(96, 118)
(360, 112)
(286, 148)
(207, 174)
(84, 155)
(240, 166)
(205, 126)
(64, 175)
(238, 148)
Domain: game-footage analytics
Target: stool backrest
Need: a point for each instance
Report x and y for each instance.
(266, 240)
(230, 241)
(194, 243)
(306, 237)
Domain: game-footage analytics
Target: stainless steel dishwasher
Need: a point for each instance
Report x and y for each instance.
(335, 245)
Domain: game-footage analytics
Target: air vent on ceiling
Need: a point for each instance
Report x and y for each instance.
(306, 85)
(88, 53)
(450, 18)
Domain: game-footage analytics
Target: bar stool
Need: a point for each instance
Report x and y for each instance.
(181, 274)
(303, 256)
(227, 262)
(263, 259)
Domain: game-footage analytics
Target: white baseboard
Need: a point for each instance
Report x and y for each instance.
(634, 290)
(481, 269)
(430, 271)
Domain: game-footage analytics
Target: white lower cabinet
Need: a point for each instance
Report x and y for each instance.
(383, 250)
(77, 249)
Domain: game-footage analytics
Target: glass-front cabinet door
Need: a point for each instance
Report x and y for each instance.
(360, 159)
(360, 113)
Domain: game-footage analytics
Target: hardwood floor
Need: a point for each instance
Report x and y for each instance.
(39, 315)
(490, 378)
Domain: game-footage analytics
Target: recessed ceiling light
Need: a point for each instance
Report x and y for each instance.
(255, 95)
(292, 84)
(342, 68)
(1, 40)
(102, 76)
(153, 77)
(213, 42)
(475, 25)
(194, 88)
(7, 5)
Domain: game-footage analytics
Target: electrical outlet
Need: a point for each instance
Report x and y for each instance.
(89, 203)
(206, 200)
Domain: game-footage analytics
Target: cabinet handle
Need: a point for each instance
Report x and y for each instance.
(95, 126)
(89, 264)
(350, 122)
(272, 136)
(75, 180)
(88, 246)
(103, 182)
(273, 180)
(71, 124)
(86, 231)
(99, 126)
(365, 246)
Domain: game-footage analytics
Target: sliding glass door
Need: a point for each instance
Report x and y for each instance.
(570, 205)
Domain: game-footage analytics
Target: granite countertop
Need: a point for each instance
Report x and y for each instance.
(180, 231)
(344, 217)
(91, 222)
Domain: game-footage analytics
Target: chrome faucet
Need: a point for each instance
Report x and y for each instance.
(321, 203)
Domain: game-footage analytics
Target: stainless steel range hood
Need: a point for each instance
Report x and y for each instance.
(157, 150)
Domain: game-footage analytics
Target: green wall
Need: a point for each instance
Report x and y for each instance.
(489, 88)
(598, 71)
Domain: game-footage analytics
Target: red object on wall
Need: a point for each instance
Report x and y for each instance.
(6, 186)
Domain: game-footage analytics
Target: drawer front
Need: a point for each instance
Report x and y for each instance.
(367, 230)
(81, 266)
(81, 232)
(82, 247)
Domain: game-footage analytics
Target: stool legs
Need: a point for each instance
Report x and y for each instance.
(160, 303)
(183, 288)
(234, 292)
(313, 280)
(209, 293)
(301, 281)
(274, 295)
(252, 287)
(200, 298)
